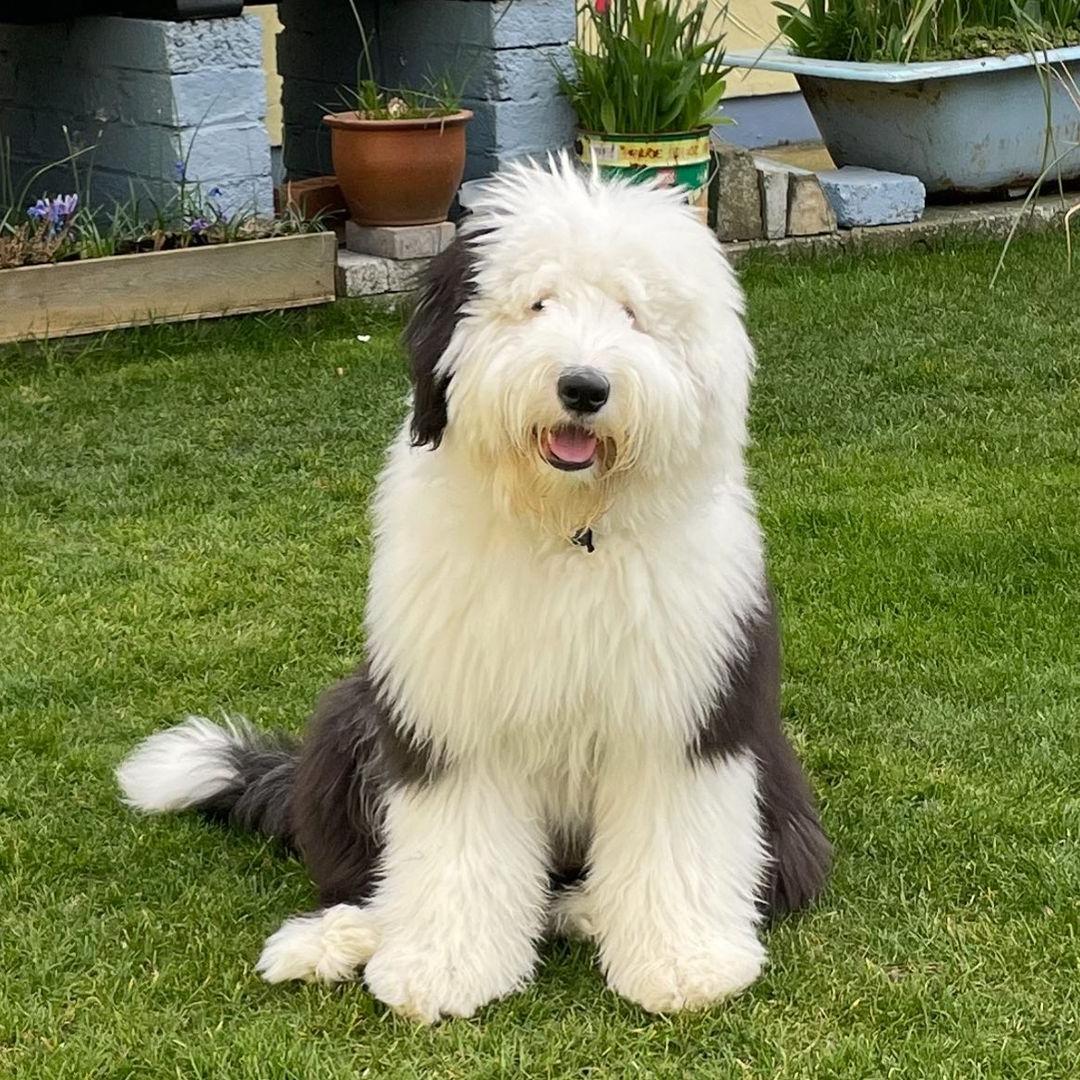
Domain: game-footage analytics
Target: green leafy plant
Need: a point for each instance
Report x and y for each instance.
(647, 67)
(439, 96)
(370, 101)
(906, 30)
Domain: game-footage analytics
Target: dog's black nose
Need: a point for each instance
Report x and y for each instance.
(583, 389)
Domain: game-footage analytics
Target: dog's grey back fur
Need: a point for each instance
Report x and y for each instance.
(325, 797)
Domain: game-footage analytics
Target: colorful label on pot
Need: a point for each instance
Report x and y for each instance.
(664, 160)
(656, 153)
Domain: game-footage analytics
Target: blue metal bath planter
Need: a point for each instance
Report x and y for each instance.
(958, 125)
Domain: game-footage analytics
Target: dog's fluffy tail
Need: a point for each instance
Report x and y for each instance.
(228, 771)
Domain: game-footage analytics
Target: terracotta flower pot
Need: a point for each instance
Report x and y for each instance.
(398, 172)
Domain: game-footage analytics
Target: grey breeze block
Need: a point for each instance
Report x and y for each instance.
(399, 242)
(863, 196)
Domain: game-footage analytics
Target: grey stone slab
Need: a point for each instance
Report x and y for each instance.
(809, 212)
(773, 178)
(764, 161)
(737, 193)
(862, 196)
(403, 275)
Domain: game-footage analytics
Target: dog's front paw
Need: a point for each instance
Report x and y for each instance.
(694, 978)
(327, 946)
(426, 984)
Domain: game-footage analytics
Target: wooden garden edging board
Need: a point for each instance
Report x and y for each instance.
(166, 286)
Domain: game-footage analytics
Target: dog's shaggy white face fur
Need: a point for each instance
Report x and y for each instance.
(580, 370)
(622, 280)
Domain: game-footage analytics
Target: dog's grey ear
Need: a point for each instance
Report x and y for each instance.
(445, 287)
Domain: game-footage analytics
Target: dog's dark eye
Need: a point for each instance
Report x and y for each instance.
(538, 305)
(630, 312)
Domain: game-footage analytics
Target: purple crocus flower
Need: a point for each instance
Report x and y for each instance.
(198, 225)
(64, 206)
(54, 211)
(213, 195)
(181, 171)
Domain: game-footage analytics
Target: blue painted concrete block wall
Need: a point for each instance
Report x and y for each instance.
(317, 55)
(144, 94)
(501, 54)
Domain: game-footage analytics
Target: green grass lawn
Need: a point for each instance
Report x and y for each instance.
(183, 527)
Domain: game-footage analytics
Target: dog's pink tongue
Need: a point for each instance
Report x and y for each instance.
(572, 444)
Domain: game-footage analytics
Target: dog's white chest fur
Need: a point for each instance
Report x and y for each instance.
(489, 635)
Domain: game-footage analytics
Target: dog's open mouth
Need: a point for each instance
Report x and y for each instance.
(569, 448)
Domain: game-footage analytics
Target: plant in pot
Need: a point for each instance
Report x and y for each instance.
(967, 96)
(399, 154)
(646, 82)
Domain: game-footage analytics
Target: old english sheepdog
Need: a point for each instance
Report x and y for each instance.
(568, 721)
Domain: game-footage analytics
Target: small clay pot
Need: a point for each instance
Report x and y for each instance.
(398, 172)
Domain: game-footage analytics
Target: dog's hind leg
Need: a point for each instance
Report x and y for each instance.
(336, 810)
(326, 946)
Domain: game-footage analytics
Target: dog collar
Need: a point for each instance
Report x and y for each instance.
(583, 538)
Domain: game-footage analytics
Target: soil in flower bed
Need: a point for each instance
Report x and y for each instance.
(21, 249)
